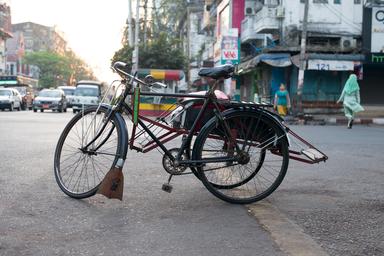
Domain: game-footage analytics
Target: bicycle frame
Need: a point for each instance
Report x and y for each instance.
(209, 98)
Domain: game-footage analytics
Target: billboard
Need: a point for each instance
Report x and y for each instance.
(230, 47)
(377, 32)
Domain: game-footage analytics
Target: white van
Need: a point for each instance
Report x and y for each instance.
(69, 92)
(87, 93)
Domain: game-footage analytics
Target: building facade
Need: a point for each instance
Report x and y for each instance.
(271, 36)
(222, 25)
(41, 38)
(372, 91)
(193, 39)
(5, 33)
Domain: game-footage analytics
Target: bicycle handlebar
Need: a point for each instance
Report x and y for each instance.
(160, 84)
(119, 67)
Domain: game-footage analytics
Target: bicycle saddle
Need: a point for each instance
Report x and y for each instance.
(224, 71)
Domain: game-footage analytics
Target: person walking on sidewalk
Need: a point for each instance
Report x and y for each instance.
(282, 102)
(351, 99)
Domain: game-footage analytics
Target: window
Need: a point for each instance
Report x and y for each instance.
(357, 1)
(337, 1)
(272, 3)
(320, 1)
(224, 20)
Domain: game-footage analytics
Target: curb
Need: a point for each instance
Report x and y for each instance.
(289, 237)
(335, 121)
(363, 121)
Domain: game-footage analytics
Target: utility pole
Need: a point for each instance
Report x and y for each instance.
(135, 55)
(129, 23)
(303, 46)
(145, 22)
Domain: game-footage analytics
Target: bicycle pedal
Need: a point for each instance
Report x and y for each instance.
(167, 187)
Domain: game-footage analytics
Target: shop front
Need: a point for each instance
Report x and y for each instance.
(372, 84)
(324, 80)
(262, 75)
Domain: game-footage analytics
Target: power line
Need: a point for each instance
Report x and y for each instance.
(346, 19)
(336, 12)
(341, 16)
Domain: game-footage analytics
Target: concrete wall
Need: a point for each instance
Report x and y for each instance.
(333, 18)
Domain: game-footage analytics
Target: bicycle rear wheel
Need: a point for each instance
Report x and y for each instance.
(255, 157)
(79, 170)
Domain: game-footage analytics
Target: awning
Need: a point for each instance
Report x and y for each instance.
(162, 74)
(276, 59)
(272, 59)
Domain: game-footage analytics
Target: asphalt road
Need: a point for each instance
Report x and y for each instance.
(36, 218)
(339, 204)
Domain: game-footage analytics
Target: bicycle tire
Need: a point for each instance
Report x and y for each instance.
(228, 181)
(107, 154)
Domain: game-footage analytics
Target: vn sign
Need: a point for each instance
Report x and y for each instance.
(375, 58)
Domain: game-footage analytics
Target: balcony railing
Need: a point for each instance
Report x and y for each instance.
(264, 21)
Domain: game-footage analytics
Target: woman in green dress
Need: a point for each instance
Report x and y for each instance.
(351, 99)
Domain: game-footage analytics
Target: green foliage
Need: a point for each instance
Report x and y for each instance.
(162, 52)
(52, 67)
(124, 54)
(169, 15)
(56, 69)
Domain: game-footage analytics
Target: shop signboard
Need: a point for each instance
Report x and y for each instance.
(331, 65)
(230, 47)
(377, 33)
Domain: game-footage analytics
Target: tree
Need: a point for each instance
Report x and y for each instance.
(79, 69)
(162, 52)
(55, 69)
(52, 67)
(168, 16)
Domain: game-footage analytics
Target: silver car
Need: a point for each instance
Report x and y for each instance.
(53, 99)
(10, 99)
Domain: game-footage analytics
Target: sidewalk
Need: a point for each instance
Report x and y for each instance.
(371, 115)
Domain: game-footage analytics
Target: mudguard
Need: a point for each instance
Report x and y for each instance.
(123, 149)
(124, 136)
(260, 111)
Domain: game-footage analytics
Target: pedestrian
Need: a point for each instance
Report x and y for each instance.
(282, 103)
(351, 99)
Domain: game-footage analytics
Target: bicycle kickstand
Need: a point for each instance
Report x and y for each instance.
(167, 187)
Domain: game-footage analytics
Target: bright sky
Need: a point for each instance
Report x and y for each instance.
(93, 28)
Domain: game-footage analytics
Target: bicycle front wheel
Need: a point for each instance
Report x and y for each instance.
(80, 166)
(253, 156)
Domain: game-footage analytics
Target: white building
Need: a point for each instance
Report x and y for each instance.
(333, 25)
(5, 27)
(193, 38)
(271, 35)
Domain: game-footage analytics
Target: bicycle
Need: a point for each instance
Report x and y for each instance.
(240, 154)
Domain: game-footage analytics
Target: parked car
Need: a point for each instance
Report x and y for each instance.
(87, 93)
(53, 99)
(10, 99)
(27, 95)
(69, 94)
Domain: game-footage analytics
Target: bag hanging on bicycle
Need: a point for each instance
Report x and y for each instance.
(185, 115)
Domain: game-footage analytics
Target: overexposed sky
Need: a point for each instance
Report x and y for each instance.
(93, 28)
